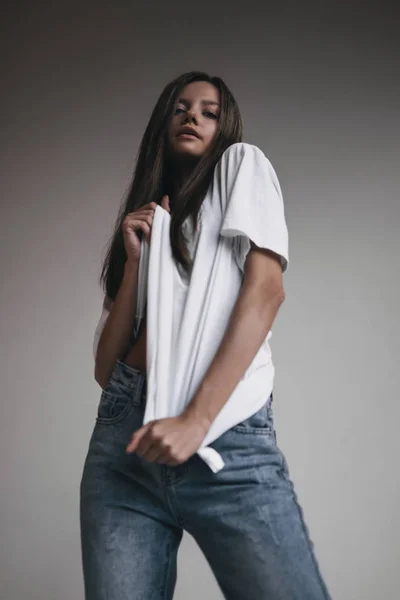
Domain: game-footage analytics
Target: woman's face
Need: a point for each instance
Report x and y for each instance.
(198, 108)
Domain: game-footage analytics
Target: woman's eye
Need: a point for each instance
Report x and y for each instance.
(207, 112)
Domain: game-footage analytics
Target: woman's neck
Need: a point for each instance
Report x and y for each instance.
(180, 169)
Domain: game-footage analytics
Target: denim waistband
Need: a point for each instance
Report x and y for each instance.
(136, 380)
(131, 378)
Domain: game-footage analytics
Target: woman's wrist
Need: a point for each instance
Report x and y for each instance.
(131, 266)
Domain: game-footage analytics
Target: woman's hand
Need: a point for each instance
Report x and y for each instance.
(169, 441)
(141, 219)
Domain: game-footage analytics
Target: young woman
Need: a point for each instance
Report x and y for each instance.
(184, 437)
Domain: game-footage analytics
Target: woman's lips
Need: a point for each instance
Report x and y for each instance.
(188, 135)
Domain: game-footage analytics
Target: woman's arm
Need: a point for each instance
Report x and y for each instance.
(116, 335)
(252, 317)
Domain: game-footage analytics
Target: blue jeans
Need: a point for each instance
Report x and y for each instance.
(245, 518)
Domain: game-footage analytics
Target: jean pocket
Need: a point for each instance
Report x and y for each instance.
(113, 407)
(133, 371)
(261, 422)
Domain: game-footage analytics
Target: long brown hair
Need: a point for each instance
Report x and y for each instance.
(152, 177)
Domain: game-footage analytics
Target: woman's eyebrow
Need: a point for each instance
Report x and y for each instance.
(209, 102)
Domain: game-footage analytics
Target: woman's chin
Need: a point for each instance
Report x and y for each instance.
(186, 150)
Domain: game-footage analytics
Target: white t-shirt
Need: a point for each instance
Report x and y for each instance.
(187, 318)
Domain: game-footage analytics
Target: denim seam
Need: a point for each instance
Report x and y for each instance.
(264, 510)
(133, 391)
(168, 489)
(164, 587)
(253, 430)
(122, 415)
(115, 420)
(309, 544)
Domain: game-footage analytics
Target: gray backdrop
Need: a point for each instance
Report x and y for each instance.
(318, 89)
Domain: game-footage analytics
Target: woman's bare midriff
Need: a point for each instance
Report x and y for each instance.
(136, 356)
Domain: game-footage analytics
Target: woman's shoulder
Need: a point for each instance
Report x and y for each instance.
(239, 150)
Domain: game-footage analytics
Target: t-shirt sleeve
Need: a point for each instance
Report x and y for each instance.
(99, 329)
(254, 209)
